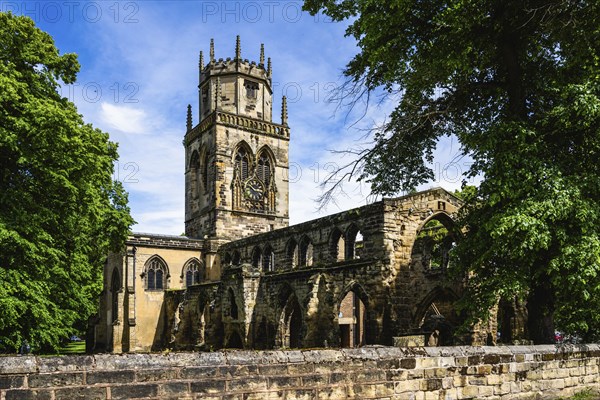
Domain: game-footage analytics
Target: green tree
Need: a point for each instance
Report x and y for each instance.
(518, 83)
(60, 210)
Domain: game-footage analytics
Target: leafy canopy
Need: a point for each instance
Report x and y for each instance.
(60, 210)
(518, 83)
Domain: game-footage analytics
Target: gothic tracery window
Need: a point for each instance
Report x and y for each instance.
(242, 164)
(193, 273)
(263, 169)
(156, 274)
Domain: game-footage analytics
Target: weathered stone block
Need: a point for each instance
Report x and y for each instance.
(56, 379)
(25, 394)
(134, 391)
(208, 387)
(12, 381)
(93, 378)
(81, 393)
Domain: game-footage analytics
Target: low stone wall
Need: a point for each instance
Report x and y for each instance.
(511, 372)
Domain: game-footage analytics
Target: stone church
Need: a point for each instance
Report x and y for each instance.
(243, 278)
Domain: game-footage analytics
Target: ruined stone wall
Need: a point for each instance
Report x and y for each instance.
(514, 372)
(271, 281)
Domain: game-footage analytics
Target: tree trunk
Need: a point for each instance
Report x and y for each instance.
(540, 308)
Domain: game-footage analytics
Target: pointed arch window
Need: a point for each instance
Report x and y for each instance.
(306, 252)
(193, 273)
(242, 164)
(268, 259)
(204, 173)
(256, 257)
(156, 274)
(194, 172)
(292, 253)
(263, 169)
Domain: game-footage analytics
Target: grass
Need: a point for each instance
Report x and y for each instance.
(587, 394)
(73, 348)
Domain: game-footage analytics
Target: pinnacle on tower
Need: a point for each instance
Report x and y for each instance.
(212, 50)
(238, 48)
(218, 93)
(269, 67)
(262, 54)
(284, 112)
(201, 61)
(189, 117)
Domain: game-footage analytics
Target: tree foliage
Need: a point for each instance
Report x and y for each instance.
(60, 210)
(518, 83)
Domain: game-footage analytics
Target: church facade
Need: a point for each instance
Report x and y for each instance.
(243, 278)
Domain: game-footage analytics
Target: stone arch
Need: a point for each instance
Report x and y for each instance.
(291, 320)
(352, 308)
(305, 257)
(256, 257)
(233, 306)
(433, 242)
(354, 242)
(268, 259)
(156, 273)
(436, 312)
(291, 252)
(337, 245)
(236, 258)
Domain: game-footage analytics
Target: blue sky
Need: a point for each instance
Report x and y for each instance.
(139, 70)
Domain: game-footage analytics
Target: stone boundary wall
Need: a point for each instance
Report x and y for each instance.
(373, 372)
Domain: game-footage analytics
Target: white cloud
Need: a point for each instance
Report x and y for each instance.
(123, 118)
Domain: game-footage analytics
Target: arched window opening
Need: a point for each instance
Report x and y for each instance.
(194, 273)
(290, 325)
(233, 307)
(205, 171)
(268, 259)
(236, 258)
(263, 169)
(306, 253)
(337, 246)
(235, 341)
(438, 317)
(351, 320)
(242, 164)
(194, 171)
(156, 274)
(292, 253)
(256, 257)
(433, 245)
(115, 288)
(227, 258)
(354, 243)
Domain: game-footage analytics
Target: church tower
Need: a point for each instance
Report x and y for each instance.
(236, 172)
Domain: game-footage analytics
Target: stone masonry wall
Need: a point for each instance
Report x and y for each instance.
(512, 372)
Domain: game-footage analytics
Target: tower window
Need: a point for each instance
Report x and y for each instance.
(251, 89)
(263, 170)
(242, 162)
